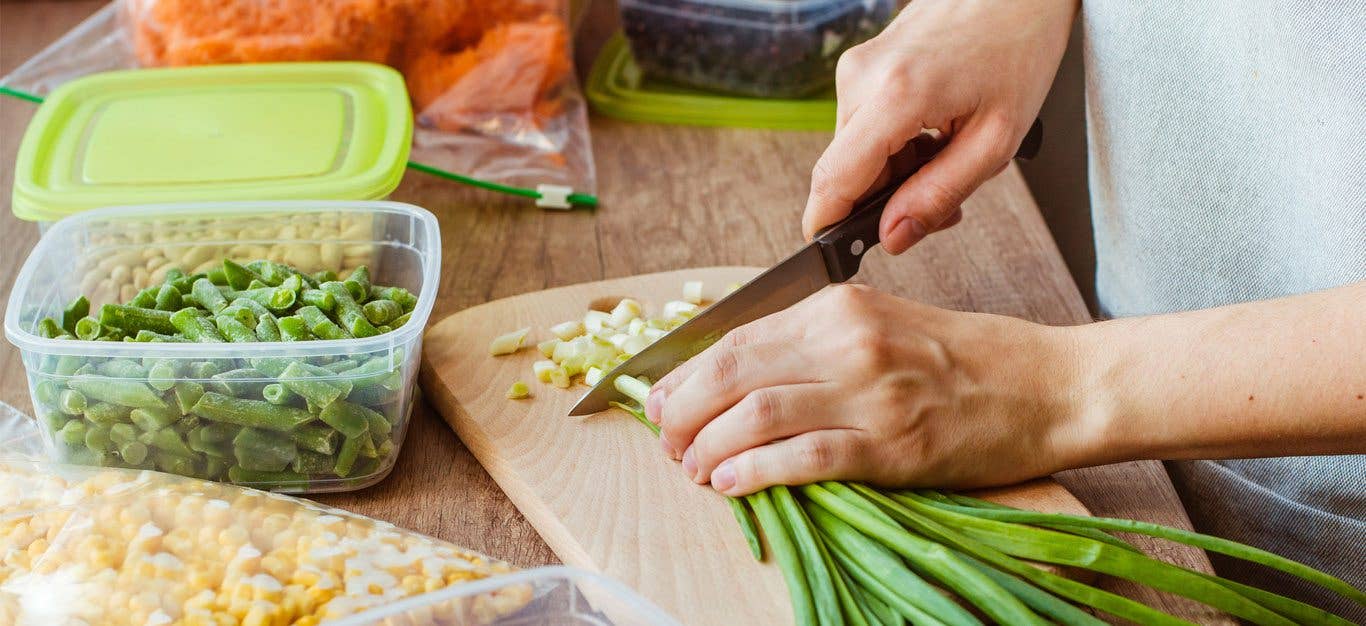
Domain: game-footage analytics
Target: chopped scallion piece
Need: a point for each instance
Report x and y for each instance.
(692, 291)
(518, 391)
(509, 343)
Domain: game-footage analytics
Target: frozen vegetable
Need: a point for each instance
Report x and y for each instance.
(768, 48)
(462, 61)
(239, 418)
(115, 547)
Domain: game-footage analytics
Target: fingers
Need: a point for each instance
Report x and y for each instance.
(930, 198)
(722, 379)
(806, 458)
(766, 414)
(851, 163)
(783, 326)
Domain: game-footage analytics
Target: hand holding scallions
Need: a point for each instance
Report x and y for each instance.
(855, 384)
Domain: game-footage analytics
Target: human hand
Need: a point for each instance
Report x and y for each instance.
(856, 384)
(975, 71)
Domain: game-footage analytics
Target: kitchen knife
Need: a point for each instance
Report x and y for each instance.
(832, 257)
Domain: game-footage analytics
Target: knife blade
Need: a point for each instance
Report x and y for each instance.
(833, 256)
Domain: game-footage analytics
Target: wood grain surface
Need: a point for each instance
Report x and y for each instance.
(673, 198)
(598, 488)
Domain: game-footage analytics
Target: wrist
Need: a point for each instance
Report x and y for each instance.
(1087, 430)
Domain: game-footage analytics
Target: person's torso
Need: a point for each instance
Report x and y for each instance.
(1228, 164)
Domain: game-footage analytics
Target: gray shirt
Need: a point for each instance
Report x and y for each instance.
(1228, 164)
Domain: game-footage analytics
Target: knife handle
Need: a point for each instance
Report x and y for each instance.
(844, 244)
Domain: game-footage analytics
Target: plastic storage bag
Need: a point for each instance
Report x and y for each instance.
(86, 545)
(492, 81)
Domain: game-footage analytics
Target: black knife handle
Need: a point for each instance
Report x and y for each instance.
(844, 244)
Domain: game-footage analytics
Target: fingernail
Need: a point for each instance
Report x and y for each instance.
(724, 477)
(668, 447)
(690, 464)
(908, 230)
(654, 405)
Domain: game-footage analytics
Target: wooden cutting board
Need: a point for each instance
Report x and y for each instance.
(598, 489)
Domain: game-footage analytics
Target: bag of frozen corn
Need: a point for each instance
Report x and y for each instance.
(102, 546)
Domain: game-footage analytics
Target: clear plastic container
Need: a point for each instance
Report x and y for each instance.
(105, 254)
(768, 48)
(560, 596)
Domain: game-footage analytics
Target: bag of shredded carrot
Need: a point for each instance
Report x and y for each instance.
(491, 81)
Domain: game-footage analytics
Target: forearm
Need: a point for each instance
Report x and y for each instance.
(1275, 378)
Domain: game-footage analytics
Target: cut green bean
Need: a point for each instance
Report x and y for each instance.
(351, 420)
(167, 440)
(318, 298)
(106, 413)
(358, 283)
(122, 433)
(71, 402)
(163, 374)
(346, 456)
(349, 314)
(241, 382)
(74, 312)
(275, 393)
(187, 393)
(195, 326)
(133, 452)
(256, 308)
(48, 328)
(320, 325)
(145, 299)
(318, 438)
(281, 479)
(293, 328)
(169, 298)
(310, 462)
(131, 319)
(89, 328)
(208, 296)
(254, 413)
(267, 328)
(238, 277)
(315, 384)
(234, 330)
(262, 450)
(122, 368)
(122, 392)
(152, 419)
(97, 438)
(381, 312)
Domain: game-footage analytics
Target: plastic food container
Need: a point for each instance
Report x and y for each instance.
(769, 48)
(616, 87)
(278, 131)
(560, 595)
(91, 253)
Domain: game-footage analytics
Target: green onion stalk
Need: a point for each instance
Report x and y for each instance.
(855, 554)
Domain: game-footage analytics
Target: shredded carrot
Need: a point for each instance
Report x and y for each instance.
(463, 60)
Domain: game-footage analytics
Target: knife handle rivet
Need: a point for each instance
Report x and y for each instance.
(856, 248)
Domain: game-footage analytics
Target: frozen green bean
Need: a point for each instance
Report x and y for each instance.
(315, 384)
(106, 413)
(381, 312)
(350, 419)
(145, 299)
(318, 298)
(346, 457)
(263, 450)
(208, 296)
(89, 328)
(319, 438)
(48, 328)
(238, 277)
(130, 393)
(293, 328)
(133, 452)
(152, 419)
(266, 328)
(169, 298)
(162, 375)
(320, 325)
(348, 313)
(71, 402)
(132, 319)
(276, 393)
(255, 413)
(310, 462)
(74, 312)
(195, 326)
(234, 330)
(187, 393)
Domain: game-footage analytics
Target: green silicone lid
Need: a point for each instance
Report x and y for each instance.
(276, 131)
(617, 88)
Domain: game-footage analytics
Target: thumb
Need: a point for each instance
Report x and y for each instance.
(932, 195)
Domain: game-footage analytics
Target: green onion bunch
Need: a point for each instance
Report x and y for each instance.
(863, 556)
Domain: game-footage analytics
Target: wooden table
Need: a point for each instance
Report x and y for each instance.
(673, 197)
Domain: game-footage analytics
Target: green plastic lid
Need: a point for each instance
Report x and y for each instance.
(276, 131)
(617, 88)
